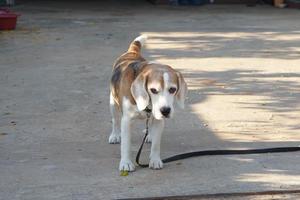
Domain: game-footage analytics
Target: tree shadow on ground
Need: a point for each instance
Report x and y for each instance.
(279, 95)
(276, 92)
(235, 44)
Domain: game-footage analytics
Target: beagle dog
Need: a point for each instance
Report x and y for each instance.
(138, 86)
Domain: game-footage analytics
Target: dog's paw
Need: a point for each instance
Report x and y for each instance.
(114, 139)
(126, 165)
(156, 164)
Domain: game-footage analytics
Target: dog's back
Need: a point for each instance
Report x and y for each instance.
(125, 71)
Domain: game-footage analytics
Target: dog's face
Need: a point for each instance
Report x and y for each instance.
(162, 87)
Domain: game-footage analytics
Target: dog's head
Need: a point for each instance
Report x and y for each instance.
(161, 86)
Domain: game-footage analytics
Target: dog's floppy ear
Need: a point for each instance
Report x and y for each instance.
(182, 90)
(139, 92)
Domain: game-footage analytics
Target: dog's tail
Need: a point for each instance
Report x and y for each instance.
(137, 43)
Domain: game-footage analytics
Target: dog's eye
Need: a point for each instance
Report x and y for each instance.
(154, 91)
(172, 90)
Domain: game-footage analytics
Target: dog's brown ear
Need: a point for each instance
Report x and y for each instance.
(139, 92)
(182, 90)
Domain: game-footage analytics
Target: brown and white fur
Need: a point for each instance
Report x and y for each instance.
(135, 85)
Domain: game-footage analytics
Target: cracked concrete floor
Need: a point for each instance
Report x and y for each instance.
(242, 67)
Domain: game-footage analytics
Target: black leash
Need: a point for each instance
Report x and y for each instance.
(209, 152)
(137, 159)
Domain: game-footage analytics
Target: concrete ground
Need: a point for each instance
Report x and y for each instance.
(242, 65)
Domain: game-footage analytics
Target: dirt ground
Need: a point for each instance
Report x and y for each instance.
(242, 65)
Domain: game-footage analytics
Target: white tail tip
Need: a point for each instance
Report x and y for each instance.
(142, 39)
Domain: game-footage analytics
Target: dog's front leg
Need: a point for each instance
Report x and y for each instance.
(126, 163)
(156, 130)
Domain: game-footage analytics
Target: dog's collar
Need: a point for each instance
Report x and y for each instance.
(148, 110)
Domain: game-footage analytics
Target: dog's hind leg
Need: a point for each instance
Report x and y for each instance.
(115, 136)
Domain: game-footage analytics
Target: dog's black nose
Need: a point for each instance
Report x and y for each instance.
(165, 111)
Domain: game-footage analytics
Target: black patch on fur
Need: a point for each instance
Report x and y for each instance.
(115, 79)
(116, 76)
(135, 66)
